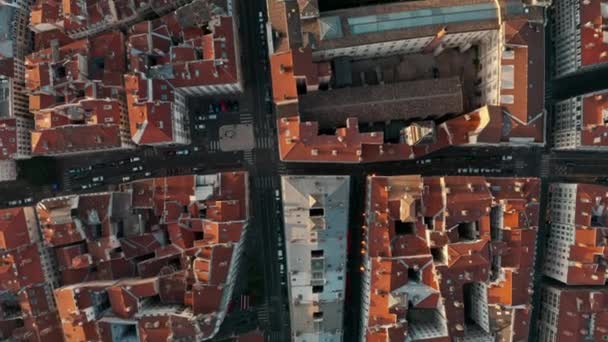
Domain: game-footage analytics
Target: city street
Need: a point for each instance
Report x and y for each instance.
(204, 155)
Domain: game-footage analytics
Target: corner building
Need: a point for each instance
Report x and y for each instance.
(316, 234)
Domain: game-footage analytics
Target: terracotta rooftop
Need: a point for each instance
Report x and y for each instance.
(522, 87)
(429, 236)
(77, 102)
(578, 241)
(594, 36)
(142, 261)
(568, 311)
(302, 141)
(594, 131)
(172, 56)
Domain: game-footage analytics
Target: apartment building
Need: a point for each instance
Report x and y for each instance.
(575, 250)
(27, 277)
(573, 314)
(580, 122)
(316, 233)
(331, 69)
(15, 119)
(80, 19)
(178, 55)
(581, 38)
(448, 258)
(77, 95)
(155, 260)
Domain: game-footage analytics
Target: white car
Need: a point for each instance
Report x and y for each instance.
(126, 178)
(199, 127)
(148, 174)
(97, 179)
(212, 116)
(137, 168)
(134, 159)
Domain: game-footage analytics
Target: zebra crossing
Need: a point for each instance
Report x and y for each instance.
(264, 142)
(214, 146)
(275, 336)
(263, 315)
(264, 182)
(545, 166)
(246, 118)
(249, 157)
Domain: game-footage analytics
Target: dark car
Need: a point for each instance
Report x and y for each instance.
(234, 106)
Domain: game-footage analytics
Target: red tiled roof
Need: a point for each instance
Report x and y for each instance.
(150, 101)
(301, 141)
(525, 41)
(446, 202)
(594, 38)
(594, 132)
(14, 226)
(572, 311)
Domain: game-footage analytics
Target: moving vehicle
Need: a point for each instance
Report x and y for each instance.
(137, 168)
(97, 179)
(184, 152)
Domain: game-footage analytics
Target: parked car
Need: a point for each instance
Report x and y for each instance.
(211, 108)
(200, 118)
(28, 200)
(86, 186)
(137, 168)
(223, 106)
(15, 202)
(134, 159)
(234, 106)
(77, 170)
(199, 127)
(212, 117)
(196, 148)
(148, 174)
(126, 178)
(97, 179)
(183, 152)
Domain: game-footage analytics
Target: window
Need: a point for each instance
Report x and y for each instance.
(317, 289)
(316, 212)
(405, 228)
(318, 253)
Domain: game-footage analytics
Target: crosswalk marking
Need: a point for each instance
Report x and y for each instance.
(248, 156)
(246, 118)
(263, 315)
(264, 142)
(275, 336)
(545, 166)
(214, 146)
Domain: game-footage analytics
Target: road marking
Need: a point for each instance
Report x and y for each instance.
(248, 156)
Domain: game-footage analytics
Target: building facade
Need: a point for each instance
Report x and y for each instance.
(581, 41)
(316, 233)
(581, 122)
(577, 213)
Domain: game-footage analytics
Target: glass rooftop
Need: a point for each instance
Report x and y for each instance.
(422, 17)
